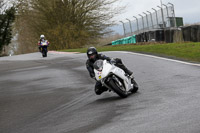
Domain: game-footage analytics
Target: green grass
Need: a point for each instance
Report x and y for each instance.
(183, 51)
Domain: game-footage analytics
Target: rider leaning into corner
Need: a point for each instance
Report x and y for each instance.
(92, 57)
(42, 39)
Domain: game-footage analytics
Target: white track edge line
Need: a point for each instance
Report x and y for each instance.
(162, 58)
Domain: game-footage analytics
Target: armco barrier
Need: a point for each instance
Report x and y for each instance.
(127, 40)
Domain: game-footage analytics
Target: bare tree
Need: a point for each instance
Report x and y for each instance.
(7, 16)
(68, 23)
(26, 36)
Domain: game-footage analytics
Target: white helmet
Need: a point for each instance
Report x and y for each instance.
(42, 36)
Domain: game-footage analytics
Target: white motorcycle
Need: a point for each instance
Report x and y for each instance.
(114, 78)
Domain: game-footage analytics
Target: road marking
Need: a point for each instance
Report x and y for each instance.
(162, 58)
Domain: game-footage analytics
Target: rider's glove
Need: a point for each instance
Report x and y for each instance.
(94, 78)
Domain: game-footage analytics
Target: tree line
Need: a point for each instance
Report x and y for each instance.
(7, 17)
(65, 23)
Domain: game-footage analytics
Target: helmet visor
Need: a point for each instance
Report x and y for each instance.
(92, 56)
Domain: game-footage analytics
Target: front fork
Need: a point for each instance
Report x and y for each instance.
(110, 78)
(103, 82)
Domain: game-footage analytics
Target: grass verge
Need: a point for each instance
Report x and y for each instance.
(183, 51)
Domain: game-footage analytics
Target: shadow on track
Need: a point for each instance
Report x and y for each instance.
(108, 99)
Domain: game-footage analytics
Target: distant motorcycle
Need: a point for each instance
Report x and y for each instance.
(44, 45)
(114, 78)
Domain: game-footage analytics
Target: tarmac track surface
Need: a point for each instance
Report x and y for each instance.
(55, 95)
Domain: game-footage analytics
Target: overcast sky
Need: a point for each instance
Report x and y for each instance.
(188, 9)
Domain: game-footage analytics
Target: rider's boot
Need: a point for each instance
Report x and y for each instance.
(130, 73)
(99, 89)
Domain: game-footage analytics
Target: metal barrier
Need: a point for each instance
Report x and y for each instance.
(164, 17)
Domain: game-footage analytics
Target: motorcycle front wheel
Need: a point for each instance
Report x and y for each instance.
(117, 89)
(135, 86)
(44, 52)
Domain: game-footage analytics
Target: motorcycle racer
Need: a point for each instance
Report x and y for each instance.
(93, 55)
(42, 39)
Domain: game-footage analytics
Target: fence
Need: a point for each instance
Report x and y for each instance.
(164, 17)
(160, 26)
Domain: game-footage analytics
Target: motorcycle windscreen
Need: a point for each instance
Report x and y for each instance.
(107, 69)
(44, 43)
(98, 65)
